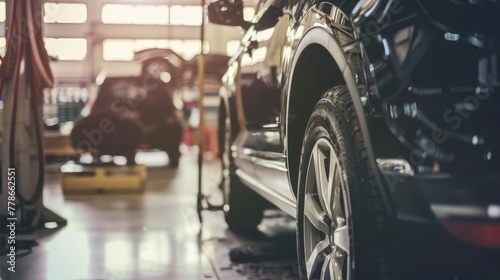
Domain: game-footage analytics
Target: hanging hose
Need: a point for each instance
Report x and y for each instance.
(38, 53)
(40, 78)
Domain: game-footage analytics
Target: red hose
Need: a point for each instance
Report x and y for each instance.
(40, 78)
(40, 60)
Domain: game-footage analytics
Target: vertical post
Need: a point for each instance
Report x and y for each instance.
(94, 42)
(201, 125)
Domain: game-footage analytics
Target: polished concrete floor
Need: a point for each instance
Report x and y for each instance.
(154, 235)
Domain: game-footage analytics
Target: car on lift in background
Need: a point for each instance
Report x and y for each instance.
(147, 106)
(374, 124)
(143, 105)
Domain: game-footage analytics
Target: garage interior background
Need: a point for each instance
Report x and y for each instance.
(88, 37)
(144, 236)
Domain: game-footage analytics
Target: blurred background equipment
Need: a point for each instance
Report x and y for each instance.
(128, 113)
(62, 107)
(216, 65)
(135, 65)
(148, 101)
(24, 73)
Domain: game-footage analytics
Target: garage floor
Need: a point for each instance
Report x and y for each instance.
(154, 235)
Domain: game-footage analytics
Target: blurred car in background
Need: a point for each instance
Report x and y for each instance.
(145, 103)
(161, 104)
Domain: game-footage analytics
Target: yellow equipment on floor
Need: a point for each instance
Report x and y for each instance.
(89, 179)
(58, 144)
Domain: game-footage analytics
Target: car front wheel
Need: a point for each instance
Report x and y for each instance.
(337, 205)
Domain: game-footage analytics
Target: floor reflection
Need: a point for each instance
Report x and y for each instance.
(149, 236)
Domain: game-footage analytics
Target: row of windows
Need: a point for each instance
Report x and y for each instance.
(124, 14)
(114, 49)
(122, 50)
(2, 11)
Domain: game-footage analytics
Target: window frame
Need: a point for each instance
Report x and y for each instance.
(70, 3)
(86, 56)
(169, 44)
(101, 18)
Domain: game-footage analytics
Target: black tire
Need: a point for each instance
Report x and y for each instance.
(351, 210)
(246, 208)
(221, 128)
(224, 134)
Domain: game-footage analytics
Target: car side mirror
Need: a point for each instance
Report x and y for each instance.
(227, 12)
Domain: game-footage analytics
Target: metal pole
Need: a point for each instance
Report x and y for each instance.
(201, 125)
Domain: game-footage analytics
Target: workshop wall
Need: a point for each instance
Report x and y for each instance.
(92, 37)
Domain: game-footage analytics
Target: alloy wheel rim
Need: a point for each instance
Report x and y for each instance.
(326, 223)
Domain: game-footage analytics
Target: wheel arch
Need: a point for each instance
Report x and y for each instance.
(318, 64)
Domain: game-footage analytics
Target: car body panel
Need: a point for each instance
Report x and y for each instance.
(266, 70)
(320, 31)
(265, 74)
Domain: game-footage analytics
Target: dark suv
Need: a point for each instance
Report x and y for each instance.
(376, 124)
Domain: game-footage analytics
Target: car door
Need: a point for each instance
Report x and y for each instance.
(263, 145)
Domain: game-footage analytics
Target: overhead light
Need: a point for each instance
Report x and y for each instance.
(165, 77)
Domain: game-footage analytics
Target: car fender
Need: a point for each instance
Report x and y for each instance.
(322, 35)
